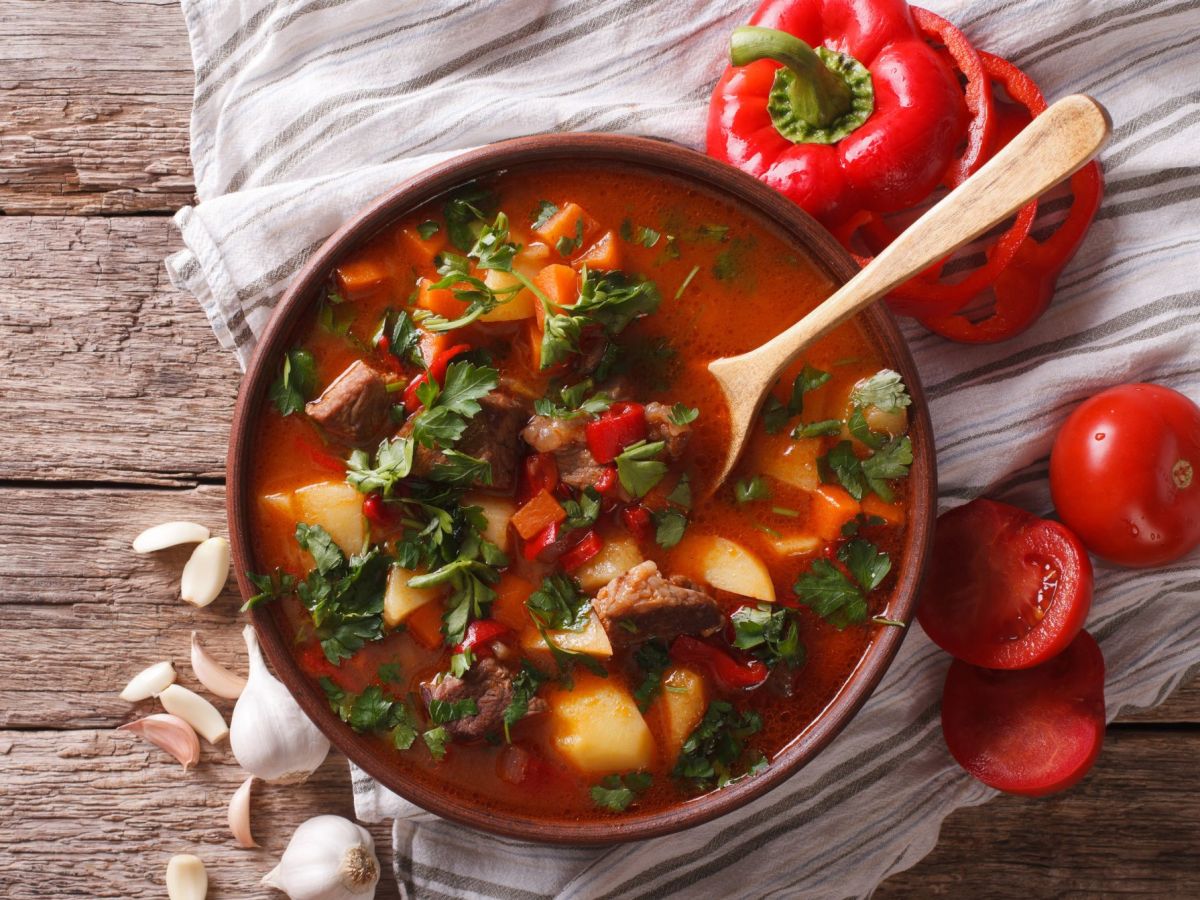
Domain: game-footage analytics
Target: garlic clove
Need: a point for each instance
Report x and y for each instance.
(328, 858)
(170, 733)
(206, 572)
(168, 534)
(270, 735)
(196, 711)
(148, 682)
(239, 815)
(186, 878)
(213, 675)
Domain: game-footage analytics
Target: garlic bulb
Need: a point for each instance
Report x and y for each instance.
(239, 815)
(196, 711)
(169, 534)
(150, 681)
(206, 572)
(213, 675)
(170, 733)
(186, 878)
(270, 735)
(328, 858)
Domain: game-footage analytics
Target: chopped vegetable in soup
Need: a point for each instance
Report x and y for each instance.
(485, 496)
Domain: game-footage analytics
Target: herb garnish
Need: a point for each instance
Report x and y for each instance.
(428, 229)
(372, 710)
(747, 490)
(572, 402)
(615, 792)
(771, 632)
(717, 744)
(559, 604)
(296, 382)
(776, 414)
(838, 599)
(270, 587)
(393, 463)
(858, 476)
(443, 711)
(565, 245)
(638, 467)
(652, 658)
(543, 213)
(448, 408)
(465, 213)
(524, 686)
(611, 300)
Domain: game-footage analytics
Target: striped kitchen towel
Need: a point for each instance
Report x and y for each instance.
(306, 109)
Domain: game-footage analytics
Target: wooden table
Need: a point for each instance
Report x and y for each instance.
(116, 404)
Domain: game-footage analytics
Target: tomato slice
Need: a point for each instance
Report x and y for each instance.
(1006, 590)
(1034, 731)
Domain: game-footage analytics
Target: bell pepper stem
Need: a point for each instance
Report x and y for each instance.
(817, 95)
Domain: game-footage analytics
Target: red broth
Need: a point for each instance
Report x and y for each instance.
(727, 284)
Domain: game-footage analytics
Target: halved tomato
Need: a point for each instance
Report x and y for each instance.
(1033, 731)
(1005, 589)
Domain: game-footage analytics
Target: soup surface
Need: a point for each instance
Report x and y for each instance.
(484, 504)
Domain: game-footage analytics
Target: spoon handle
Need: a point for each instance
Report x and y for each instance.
(1056, 144)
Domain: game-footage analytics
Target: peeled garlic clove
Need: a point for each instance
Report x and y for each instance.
(186, 878)
(170, 733)
(196, 711)
(206, 572)
(168, 534)
(239, 815)
(270, 735)
(148, 682)
(328, 858)
(213, 675)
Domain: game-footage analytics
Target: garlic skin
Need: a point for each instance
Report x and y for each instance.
(269, 734)
(328, 858)
(206, 572)
(150, 681)
(169, 733)
(169, 534)
(186, 878)
(239, 815)
(196, 711)
(214, 676)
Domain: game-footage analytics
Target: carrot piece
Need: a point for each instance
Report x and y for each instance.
(425, 625)
(533, 332)
(509, 605)
(891, 513)
(565, 224)
(419, 251)
(602, 255)
(362, 275)
(560, 284)
(439, 300)
(542, 510)
(831, 508)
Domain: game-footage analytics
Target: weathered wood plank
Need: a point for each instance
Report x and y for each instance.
(94, 107)
(99, 813)
(107, 371)
(1132, 827)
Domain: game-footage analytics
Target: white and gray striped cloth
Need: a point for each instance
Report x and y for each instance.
(306, 109)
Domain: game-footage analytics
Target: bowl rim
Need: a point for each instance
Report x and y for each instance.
(732, 185)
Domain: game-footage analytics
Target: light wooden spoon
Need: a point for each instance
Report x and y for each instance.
(1055, 145)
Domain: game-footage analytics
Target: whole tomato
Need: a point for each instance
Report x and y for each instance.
(1125, 474)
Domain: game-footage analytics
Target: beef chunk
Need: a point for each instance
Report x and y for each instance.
(355, 408)
(565, 439)
(489, 684)
(494, 435)
(660, 427)
(642, 605)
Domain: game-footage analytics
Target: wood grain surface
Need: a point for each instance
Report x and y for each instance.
(116, 402)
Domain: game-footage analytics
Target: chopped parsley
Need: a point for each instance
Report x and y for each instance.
(858, 476)
(465, 213)
(822, 428)
(669, 526)
(711, 754)
(686, 281)
(372, 710)
(524, 687)
(610, 300)
(653, 660)
(639, 468)
(402, 336)
(543, 213)
(428, 229)
(839, 599)
(392, 464)
(443, 711)
(639, 234)
(749, 489)
(448, 408)
(296, 382)
(616, 792)
(681, 414)
(769, 631)
(884, 390)
(436, 740)
(559, 604)
(571, 402)
(583, 512)
(776, 413)
(565, 245)
(270, 587)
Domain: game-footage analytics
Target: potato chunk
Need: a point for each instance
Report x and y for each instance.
(597, 727)
(726, 565)
(336, 507)
(400, 601)
(791, 461)
(618, 555)
(593, 641)
(678, 709)
(497, 511)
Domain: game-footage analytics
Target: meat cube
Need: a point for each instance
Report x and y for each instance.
(565, 439)
(660, 427)
(489, 684)
(641, 605)
(356, 407)
(493, 435)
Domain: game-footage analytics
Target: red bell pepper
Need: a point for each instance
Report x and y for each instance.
(588, 546)
(377, 511)
(618, 426)
(541, 542)
(870, 120)
(436, 371)
(731, 673)
(607, 480)
(637, 520)
(480, 634)
(540, 473)
(320, 457)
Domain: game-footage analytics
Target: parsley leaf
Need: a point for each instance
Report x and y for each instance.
(524, 686)
(681, 494)
(572, 402)
(682, 414)
(442, 711)
(402, 336)
(889, 461)
(565, 245)
(428, 229)
(270, 587)
(448, 408)
(543, 213)
(638, 468)
(296, 382)
(770, 631)
(436, 740)
(640, 234)
(492, 249)
(462, 469)
(842, 463)
(317, 541)
(615, 794)
(653, 659)
(747, 490)
(711, 751)
(559, 604)
(614, 299)
(583, 512)
(866, 563)
(465, 212)
(683, 286)
(669, 526)
(831, 595)
(817, 429)
(884, 390)
(393, 463)
(776, 413)
(372, 710)
(857, 423)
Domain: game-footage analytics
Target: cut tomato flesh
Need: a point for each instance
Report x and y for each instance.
(1033, 731)
(1005, 590)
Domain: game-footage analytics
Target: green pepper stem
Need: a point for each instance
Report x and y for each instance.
(817, 95)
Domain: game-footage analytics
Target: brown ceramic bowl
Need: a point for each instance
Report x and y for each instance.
(647, 156)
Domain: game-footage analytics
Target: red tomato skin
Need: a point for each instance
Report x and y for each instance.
(1033, 731)
(1125, 474)
(979, 598)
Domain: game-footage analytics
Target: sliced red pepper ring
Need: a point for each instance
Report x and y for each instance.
(618, 426)
(731, 673)
(436, 370)
(587, 548)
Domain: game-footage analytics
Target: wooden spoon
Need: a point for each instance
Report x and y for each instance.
(1054, 145)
